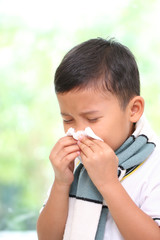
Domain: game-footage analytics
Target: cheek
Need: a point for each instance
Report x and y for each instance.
(117, 136)
(112, 133)
(65, 128)
(101, 131)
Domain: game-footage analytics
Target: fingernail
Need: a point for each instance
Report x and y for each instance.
(80, 137)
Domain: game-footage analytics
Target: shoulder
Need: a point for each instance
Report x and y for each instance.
(144, 129)
(142, 182)
(148, 171)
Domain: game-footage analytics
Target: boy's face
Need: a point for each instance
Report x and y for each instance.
(101, 112)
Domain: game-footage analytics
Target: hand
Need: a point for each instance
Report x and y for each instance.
(99, 160)
(62, 159)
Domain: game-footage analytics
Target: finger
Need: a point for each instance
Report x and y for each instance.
(61, 144)
(61, 163)
(57, 157)
(85, 149)
(67, 150)
(66, 141)
(69, 158)
(83, 157)
(89, 143)
(100, 143)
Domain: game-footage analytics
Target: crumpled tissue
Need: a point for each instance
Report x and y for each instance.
(87, 132)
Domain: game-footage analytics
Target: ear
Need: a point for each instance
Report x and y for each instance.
(136, 108)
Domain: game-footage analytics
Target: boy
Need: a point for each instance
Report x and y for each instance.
(97, 86)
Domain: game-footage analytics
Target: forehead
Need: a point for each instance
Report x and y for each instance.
(86, 100)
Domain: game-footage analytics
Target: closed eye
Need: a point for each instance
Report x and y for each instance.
(93, 119)
(67, 121)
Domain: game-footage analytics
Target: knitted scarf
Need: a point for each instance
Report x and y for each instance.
(87, 210)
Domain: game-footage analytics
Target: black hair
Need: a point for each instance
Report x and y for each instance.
(100, 63)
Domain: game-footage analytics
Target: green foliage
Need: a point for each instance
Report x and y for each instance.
(29, 117)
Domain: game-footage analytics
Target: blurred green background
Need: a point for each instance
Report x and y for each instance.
(34, 36)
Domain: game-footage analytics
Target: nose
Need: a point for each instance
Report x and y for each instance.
(80, 127)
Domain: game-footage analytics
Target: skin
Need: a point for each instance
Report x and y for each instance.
(103, 113)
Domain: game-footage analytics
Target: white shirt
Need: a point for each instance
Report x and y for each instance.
(143, 186)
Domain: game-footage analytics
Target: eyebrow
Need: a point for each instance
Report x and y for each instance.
(82, 113)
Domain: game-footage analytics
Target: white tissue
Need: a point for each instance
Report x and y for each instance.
(87, 132)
